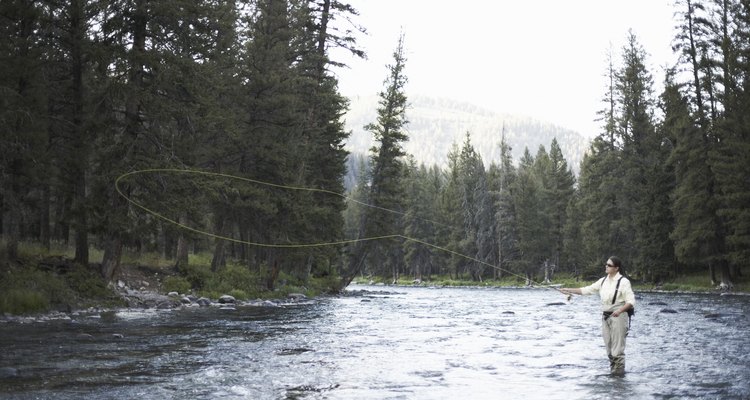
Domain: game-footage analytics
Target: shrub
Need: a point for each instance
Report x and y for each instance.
(87, 283)
(16, 301)
(197, 275)
(232, 277)
(238, 294)
(177, 284)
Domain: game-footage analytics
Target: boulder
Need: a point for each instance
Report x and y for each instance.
(203, 302)
(296, 296)
(227, 299)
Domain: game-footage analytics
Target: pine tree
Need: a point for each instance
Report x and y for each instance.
(452, 216)
(695, 233)
(729, 159)
(22, 113)
(560, 189)
(505, 220)
(598, 188)
(528, 202)
(477, 210)
(419, 220)
(383, 218)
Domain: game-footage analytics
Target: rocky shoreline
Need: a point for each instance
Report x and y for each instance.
(145, 299)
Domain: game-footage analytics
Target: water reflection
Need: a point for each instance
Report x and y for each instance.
(387, 343)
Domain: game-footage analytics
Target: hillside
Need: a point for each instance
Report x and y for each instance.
(435, 124)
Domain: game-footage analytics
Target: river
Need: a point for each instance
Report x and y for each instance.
(387, 343)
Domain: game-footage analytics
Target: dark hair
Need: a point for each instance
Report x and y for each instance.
(617, 263)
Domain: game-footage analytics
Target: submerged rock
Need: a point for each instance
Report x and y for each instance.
(668, 311)
(8, 372)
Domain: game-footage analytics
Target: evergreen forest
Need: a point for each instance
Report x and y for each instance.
(216, 127)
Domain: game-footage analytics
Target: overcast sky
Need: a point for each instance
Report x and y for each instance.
(540, 58)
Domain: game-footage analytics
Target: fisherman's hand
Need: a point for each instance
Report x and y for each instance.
(615, 313)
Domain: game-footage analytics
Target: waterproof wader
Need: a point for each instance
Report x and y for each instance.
(614, 331)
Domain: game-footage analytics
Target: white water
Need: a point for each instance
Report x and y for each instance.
(389, 343)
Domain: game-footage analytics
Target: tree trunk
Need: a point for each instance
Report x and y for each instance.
(219, 258)
(273, 275)
(111, 259)
(181, 260)
(354, 266)
(11, 231)
(44, 218)
(80, 138)
(726, 278)
(12, 228)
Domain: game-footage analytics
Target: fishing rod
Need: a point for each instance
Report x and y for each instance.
(296, 245)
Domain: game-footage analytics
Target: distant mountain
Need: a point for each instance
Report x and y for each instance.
(435, 124)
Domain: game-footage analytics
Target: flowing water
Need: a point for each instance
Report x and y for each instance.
(387, 343)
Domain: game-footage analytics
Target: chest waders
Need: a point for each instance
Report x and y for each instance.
(631, 311)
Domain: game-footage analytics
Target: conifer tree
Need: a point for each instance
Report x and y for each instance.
(503, 176)
(419, 220)
(560, 189)
(695, 233)
(646, 183)
(22, 113)
(383, 218)
(729, 69)
(452, 216)
(477, 211)
(528, 203)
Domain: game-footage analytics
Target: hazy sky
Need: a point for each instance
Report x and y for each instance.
(541, 58)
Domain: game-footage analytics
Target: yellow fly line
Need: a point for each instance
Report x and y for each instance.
(285, 187)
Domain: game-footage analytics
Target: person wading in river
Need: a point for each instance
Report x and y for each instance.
(618, 303)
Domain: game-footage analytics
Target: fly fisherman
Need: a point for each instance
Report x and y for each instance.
(618, 302)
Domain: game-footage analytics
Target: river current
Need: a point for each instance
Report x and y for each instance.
(387, 343)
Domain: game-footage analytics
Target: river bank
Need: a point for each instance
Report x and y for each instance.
(55, 288)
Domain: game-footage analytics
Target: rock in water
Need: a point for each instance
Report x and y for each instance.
(8, 372)
(227, 299)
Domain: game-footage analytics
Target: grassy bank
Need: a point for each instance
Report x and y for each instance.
(690, 282)
(32, 286)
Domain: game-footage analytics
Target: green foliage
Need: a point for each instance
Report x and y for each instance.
(177, 284)
(87, 283)
(19, 301)
(248, 91)
(27, 290)
(238, 294)
(197, 275)
(232, 277)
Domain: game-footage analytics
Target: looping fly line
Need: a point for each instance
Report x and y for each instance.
(288, 245)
